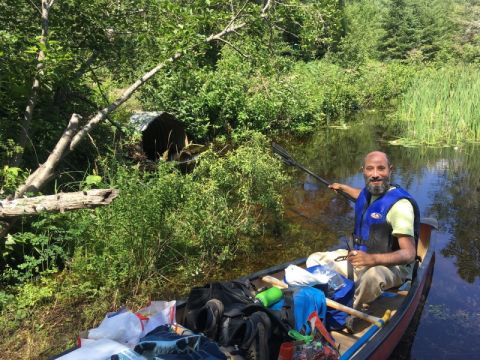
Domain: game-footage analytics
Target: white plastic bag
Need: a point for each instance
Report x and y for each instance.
(323, 274)
(156, 314)
(95, 350)
(124, 327)
(296, 276)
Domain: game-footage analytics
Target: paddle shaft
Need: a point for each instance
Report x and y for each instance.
(289, 160)
(365, 337)
(333, 304)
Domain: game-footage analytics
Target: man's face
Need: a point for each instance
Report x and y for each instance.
(376, 172)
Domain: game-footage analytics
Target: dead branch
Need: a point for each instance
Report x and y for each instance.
(245, 56)
(45, 171)
(56, 203)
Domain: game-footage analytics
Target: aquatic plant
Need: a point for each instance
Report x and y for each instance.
(442, 107)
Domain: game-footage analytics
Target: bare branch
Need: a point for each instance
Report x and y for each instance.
(57, 203)
(35, 6)
(85, 66)
(229, 29)
(286, 31)
(235, 17)
(105, 98)
(267, 7)
(234, 48)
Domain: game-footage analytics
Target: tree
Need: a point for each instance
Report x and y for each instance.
(193, 41)
(399, 36)
(415, 29)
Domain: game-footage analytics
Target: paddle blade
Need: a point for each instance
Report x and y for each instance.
(283, 154)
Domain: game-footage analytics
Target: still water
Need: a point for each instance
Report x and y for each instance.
(445, 183)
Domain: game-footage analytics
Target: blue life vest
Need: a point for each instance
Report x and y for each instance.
(372, 232)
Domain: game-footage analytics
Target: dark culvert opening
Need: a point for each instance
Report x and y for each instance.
(163, 136)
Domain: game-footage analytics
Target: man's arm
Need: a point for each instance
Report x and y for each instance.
(353, 192)
(405, 255)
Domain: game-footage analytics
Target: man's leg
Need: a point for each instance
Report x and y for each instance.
(328, 257)
(374, 281)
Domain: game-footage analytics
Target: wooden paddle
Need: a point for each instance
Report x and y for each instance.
(365, 337)
(333, 304)
(289, 160)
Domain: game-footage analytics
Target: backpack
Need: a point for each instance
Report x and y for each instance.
(226, 312)
(173, 342)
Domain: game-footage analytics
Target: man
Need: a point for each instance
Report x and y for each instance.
(386, 229)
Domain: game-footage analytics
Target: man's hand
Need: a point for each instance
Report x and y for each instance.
(405, 255)
(360, 258)
(353, 192)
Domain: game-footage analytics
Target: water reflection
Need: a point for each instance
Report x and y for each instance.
(446, 184)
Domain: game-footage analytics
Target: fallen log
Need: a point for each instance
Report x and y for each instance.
(56, 203)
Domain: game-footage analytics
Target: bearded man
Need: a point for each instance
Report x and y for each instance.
(385, 234)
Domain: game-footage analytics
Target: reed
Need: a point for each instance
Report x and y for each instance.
(442, 107)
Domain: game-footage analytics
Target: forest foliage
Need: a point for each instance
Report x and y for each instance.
(290, 67)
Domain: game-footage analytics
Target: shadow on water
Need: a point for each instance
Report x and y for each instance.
(446, 184)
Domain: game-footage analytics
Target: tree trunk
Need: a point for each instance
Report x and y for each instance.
(26, 121)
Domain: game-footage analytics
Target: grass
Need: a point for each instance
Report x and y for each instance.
(442, 107)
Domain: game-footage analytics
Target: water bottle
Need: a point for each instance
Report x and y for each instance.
(335, 281)
(269, 296)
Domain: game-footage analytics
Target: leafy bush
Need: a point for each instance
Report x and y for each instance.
(166, 221)
(381, 84)
(238, 96)
(40, 249)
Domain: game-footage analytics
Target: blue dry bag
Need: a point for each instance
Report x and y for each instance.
(298, 303)
(336, 319)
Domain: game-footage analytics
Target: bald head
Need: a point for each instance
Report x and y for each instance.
(376, 171)
(376, 155)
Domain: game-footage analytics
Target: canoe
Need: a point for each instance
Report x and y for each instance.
(402, 303)
(375, 342)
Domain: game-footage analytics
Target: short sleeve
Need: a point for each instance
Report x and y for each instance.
(401, 218)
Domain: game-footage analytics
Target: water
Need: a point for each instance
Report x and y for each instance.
(445, 183)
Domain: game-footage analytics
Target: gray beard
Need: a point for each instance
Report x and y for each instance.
(379, 189)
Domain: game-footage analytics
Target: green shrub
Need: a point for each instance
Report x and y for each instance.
(381, 84)
(165, 221)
